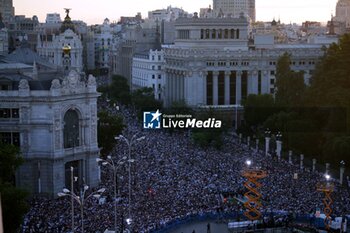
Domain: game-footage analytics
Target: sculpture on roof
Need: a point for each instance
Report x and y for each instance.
(67, 23)
(23, 85)
(55, 84)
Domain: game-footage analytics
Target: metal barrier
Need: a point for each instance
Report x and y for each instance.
(307, 219)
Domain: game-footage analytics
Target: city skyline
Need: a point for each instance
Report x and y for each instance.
(288, 11)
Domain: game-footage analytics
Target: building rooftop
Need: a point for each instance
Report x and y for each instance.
(27, 56)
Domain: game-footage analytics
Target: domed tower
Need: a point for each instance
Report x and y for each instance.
(67, 23)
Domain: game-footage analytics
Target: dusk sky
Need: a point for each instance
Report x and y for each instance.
(92, 11)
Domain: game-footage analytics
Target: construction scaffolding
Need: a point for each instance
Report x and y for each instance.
(253, 195)
(327, 188)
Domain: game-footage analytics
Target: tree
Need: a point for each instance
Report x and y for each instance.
(143, 99)
(119, 90)
(13, 199)
(208, 137)
(290, 85)
(14, 206)
(257, 108)
(330, 83)
(330, 89)
(109, 126)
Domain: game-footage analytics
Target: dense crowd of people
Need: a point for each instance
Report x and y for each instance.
(173, 178)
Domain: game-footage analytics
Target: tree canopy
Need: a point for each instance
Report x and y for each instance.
(314, 119)
(13, 199)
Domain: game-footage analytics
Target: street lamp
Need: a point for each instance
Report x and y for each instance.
(248, 162)
(279, 145)
(130, 143)
(342, 170)
(109, 161)
(81, 199)
(267, 141)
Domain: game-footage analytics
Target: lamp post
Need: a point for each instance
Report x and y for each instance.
(301, 162)
(109, 161)
(279, 145)
(267, 141)
(130, 143)
(81, 199)
(290, 155)
(72, 199)
(342, 170)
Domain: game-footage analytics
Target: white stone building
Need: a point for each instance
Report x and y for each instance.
(53, 18)
(148, 71)
(50, 48)
(168, 14)
(54, 122)
(103, 42)
(212, 63)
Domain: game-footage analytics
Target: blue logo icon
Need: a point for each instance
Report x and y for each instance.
(152, 120)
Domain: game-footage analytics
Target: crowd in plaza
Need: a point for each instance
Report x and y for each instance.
(173, 178)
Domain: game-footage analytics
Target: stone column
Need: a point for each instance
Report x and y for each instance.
(327, 167)
(342, 170)
(238, 87)
(176, 86)
(301, 162)
(265, 82)
(203, 81)
(290, 155)
(215, 88)
(314, 165)
(255, 83)
(227, 87)
(267, 145)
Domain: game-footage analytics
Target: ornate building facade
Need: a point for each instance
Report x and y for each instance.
(50, 46)
(213, 63)
(54, 122)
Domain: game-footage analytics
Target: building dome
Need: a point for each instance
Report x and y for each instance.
(67, 23)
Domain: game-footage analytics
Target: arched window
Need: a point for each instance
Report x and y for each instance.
(232, 33)
(213, 34)
(71, 134)
(220, 34)
(207, 34)
(226, 34)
